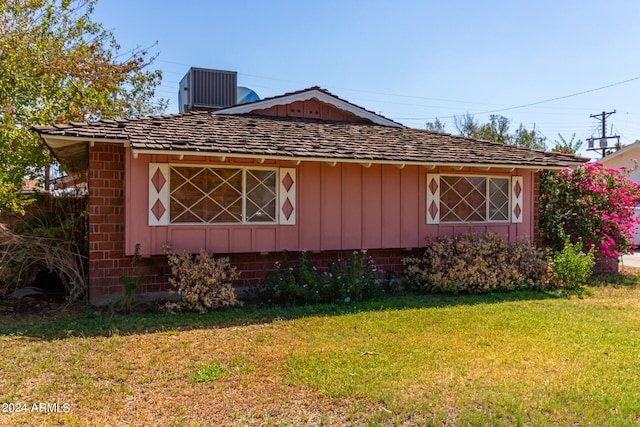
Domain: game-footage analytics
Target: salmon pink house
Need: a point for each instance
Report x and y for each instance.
(303, 171)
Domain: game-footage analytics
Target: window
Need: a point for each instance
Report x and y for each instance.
(458, 198)
(222, 195)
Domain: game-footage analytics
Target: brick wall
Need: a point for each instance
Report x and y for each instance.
(106, 219)
(107, 262)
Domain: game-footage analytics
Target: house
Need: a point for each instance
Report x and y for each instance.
(303, 171)
(627, 157)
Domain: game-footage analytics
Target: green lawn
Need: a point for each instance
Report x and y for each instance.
(522, 358)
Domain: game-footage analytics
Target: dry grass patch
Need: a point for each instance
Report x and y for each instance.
(147, 379)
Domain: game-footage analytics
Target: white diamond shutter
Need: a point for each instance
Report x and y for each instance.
(287, 205)
(159, 194)
(517, 191)
(433, 199)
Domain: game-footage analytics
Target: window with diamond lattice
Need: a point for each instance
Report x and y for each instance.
(498, 199)
(474, 198)
(261, 196)
(222, 195)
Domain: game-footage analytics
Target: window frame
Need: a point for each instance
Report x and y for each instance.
(243, 170)
(487, 189)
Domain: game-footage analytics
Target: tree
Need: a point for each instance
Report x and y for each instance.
(436, 126)
(571, 147)
(616, 147)
(467, 125)
(529, 138)
(59, 66)
(497, 129)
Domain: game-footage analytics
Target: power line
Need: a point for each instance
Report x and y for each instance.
(553, 99)
(603, 137)
(430, 98)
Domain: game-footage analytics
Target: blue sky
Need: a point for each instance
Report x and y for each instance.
(411, 61)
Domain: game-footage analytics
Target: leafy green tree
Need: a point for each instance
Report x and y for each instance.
(528, 138)
(436, 126)
(497, 129)
(616, 147)
(571, 147)
(60, 66)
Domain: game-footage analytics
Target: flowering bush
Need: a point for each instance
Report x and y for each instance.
(474, 263)
(291, 283)
(352, 278)
(203, 282)
(591, 204)
(355, 278)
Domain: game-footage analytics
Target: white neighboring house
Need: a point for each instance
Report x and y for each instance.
(629, 157)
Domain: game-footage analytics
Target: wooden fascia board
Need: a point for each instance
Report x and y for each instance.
(329, 160)
(63, 141)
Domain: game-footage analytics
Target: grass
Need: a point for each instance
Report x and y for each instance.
(208, 373)
(523, 358)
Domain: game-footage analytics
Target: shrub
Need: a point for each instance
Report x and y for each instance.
(591, 204)
(132, 284)
(472, 263)
(572, 267)
(52, 237)
(290, 283)
(203, 282)
(352, 278)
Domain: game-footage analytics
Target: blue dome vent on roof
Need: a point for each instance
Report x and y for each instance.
(246, 95)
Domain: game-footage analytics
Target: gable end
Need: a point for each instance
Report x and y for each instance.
(352, 112)
(310, 109)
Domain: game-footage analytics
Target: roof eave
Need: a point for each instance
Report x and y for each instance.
(362, 161)
(57, 140)
(620, 152)
(72, 151)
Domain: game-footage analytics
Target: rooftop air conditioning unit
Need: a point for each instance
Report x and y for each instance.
(205, 89)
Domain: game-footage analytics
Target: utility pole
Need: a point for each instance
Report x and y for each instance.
(604, 146)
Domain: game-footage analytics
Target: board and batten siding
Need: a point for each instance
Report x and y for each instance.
(342, 207)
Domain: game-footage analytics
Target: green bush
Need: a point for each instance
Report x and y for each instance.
(290, 283)
(355, 278)
(301, 282)
(474, 263)
(572, 267)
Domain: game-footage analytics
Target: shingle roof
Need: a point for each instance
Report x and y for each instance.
(203, 132)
